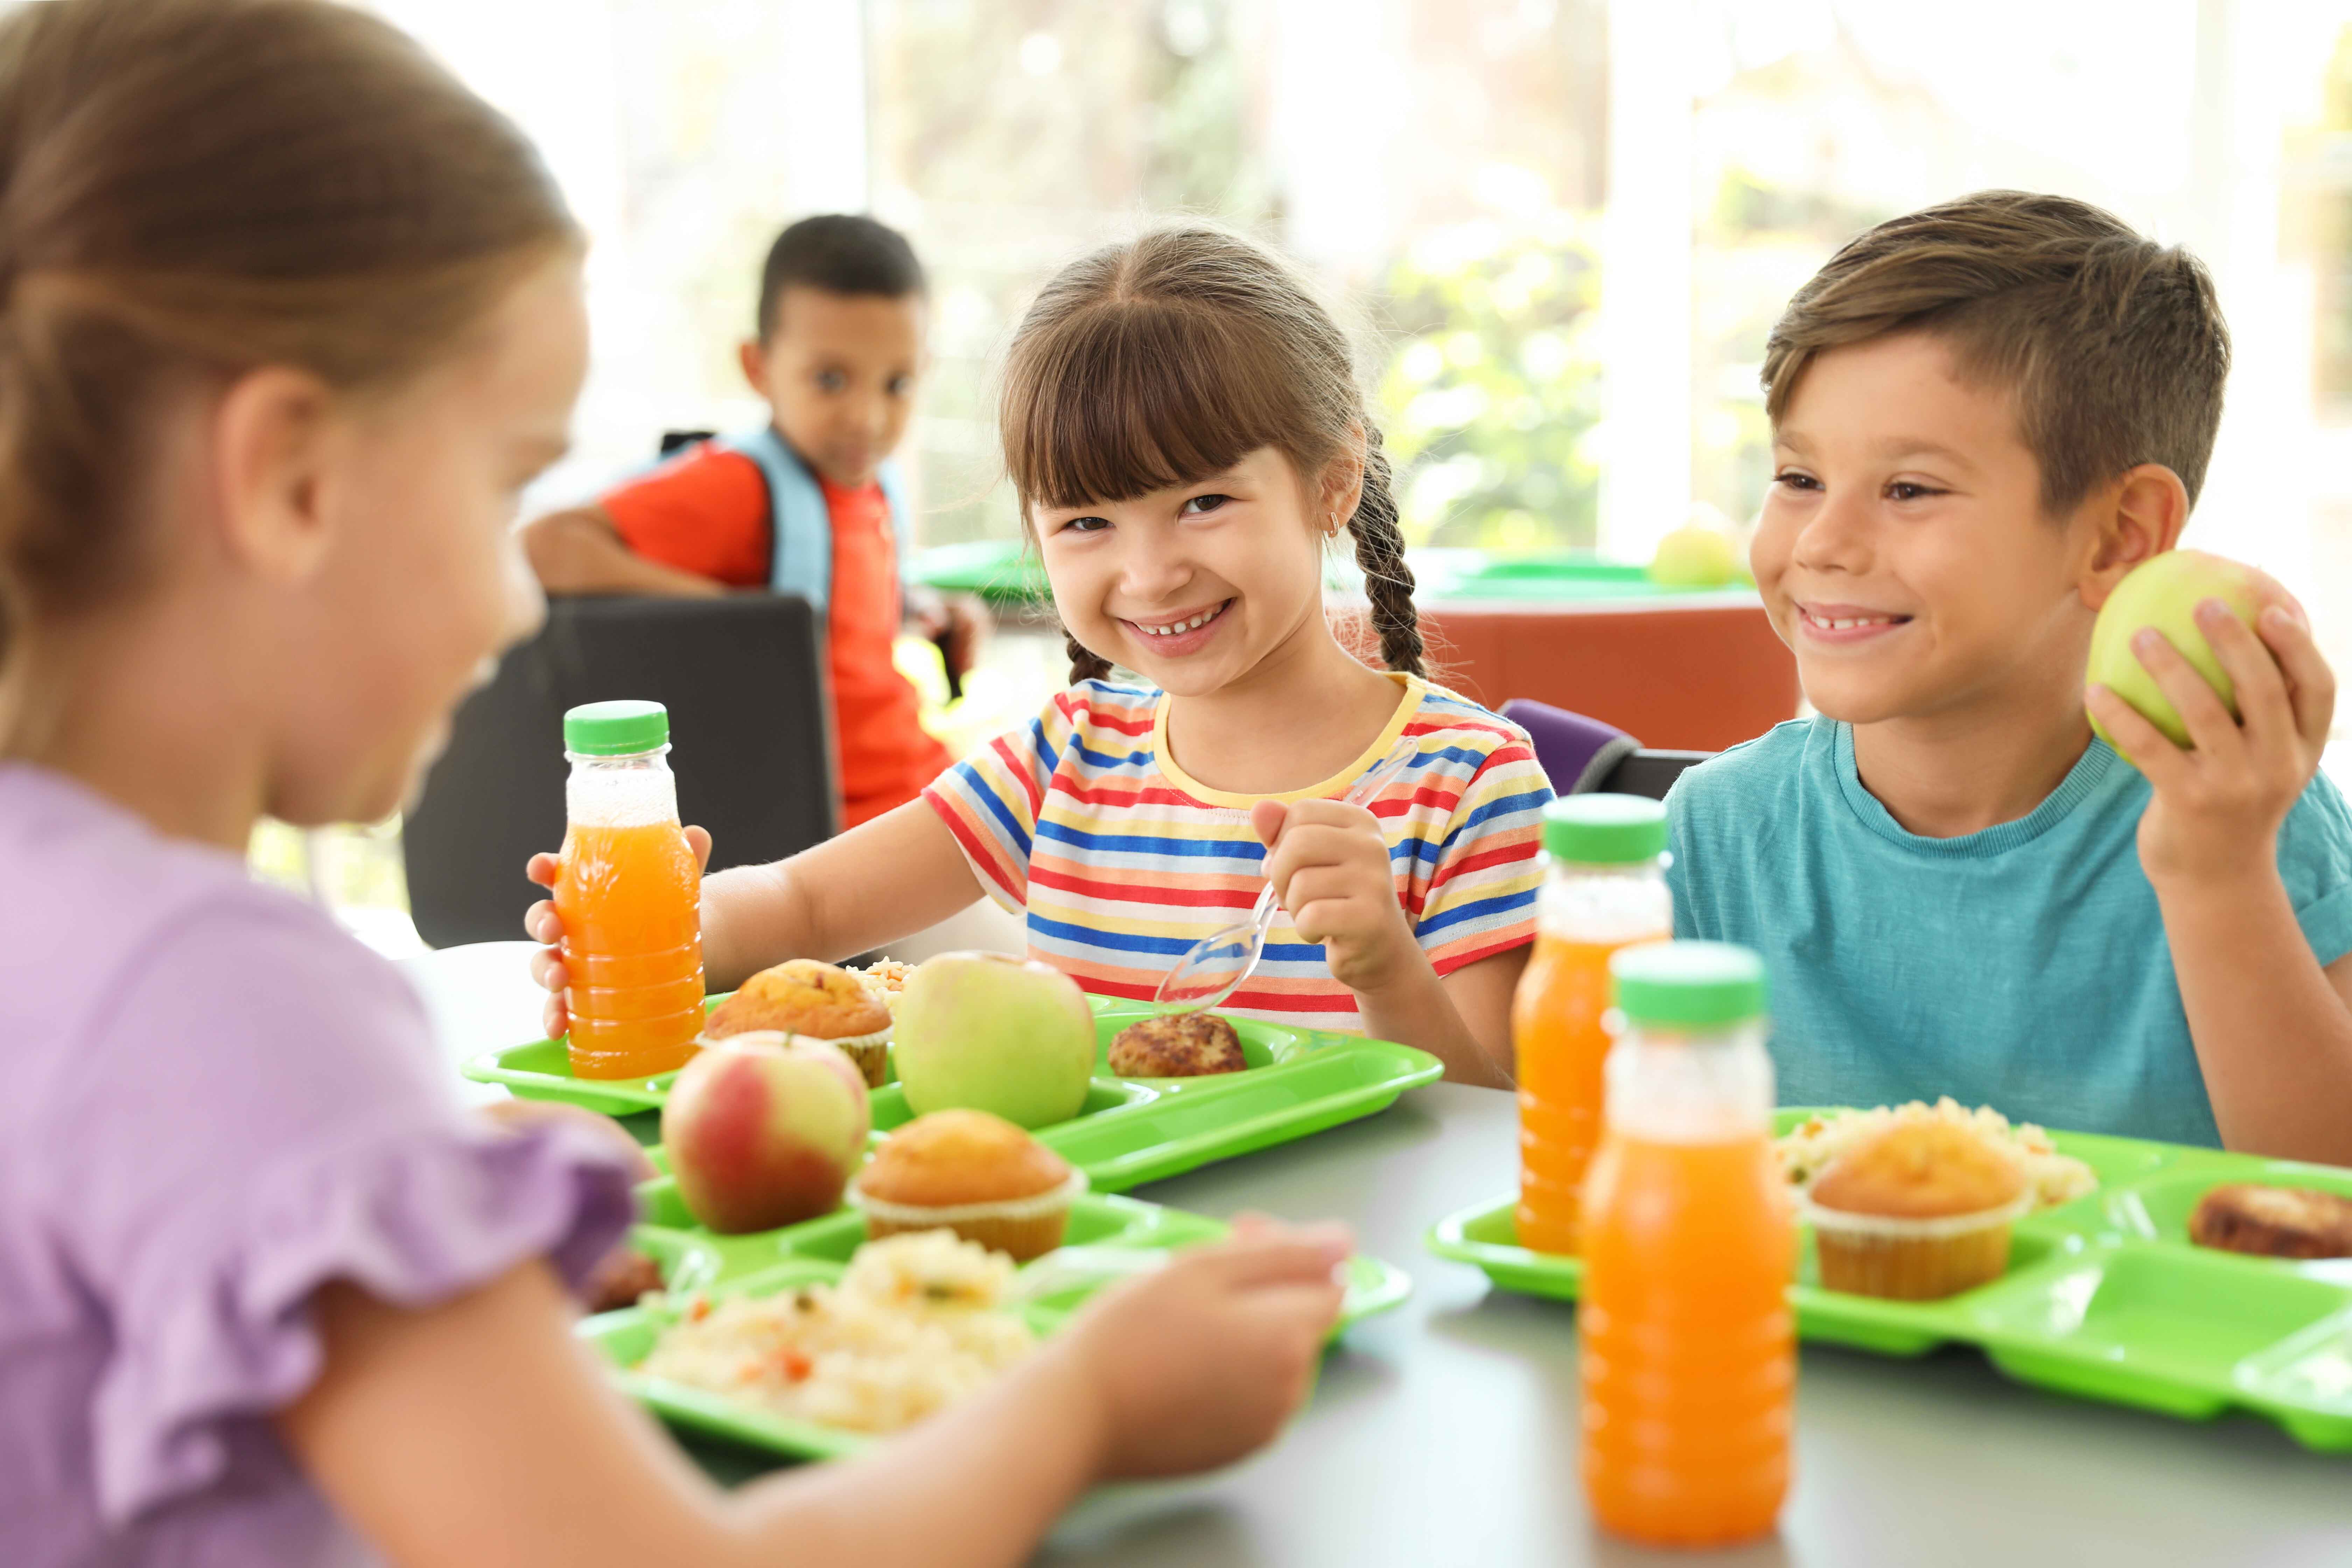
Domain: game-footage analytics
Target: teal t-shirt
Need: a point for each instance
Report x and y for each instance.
(2024, 967)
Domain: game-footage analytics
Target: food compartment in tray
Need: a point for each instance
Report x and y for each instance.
(626, 1337)
(2304, 1382)
(2162, 1327)
(2157, 1210)
(891, 1110)
(1263, 1044)
(1237, 1113)
(2119, 1162)
(819, 1251)
(542, 1070)
(1096, 1220)
(691, 1257)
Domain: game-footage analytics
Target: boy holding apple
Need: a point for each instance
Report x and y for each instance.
(1985, 414)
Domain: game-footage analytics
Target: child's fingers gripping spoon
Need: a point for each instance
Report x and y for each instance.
(1214, 967)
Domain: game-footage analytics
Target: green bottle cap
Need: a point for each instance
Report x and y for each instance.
(1687, 984)
(1604, 829)
(615, 729)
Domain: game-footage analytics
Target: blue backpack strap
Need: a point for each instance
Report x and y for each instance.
(803, 525)
(894, 492)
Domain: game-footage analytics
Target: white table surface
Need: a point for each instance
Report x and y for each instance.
(1445, 1432)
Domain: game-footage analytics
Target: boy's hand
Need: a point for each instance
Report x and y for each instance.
(1330, 867)
(544, 926)
(958, 623)
(2217, 807)
(1202, 1361)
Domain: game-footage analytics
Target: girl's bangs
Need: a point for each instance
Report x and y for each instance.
(1132, 397)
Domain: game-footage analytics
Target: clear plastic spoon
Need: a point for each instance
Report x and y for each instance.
(1073, 1268)
(1213, 968)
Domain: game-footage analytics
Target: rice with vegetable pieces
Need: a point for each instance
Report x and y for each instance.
(916, 1324)
(885, 977)
(2054, 1178)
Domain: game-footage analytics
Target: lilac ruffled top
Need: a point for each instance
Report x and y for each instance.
(215, 1101)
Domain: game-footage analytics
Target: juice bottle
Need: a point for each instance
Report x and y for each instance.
(1604, 887)
(630, 896)
(1688, 1352)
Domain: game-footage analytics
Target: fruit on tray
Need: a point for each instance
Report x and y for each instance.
(764, 1129)
(2163, 592)
(1177, 1045)
(1920, 1212)
(814, 1001)
(2272, 1222)
(973, 1173)
(1696, 556)
(985, 1031)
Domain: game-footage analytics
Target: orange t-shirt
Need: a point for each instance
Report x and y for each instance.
(707, 512)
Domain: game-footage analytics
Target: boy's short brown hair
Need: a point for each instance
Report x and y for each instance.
(2113, 345)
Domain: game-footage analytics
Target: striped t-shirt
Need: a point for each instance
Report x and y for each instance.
(1081, 823)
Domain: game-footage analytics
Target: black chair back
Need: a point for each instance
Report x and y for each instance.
(749, 714)
(1649, 773)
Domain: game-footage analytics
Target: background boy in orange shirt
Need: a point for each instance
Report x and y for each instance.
(808, 504)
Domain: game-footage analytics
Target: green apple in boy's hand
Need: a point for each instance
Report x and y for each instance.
(1696, 556)
(2162, 593)
(986, 1031)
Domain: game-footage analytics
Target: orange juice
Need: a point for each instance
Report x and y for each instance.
(1604, 887)
(630, 896)
(631, 902)
(1688, 1341)
(1687, 1344)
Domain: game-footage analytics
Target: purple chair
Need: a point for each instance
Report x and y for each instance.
(1577, 754)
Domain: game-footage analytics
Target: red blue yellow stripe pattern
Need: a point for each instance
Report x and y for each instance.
(1082, 824)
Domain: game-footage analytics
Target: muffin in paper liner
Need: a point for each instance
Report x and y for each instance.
(870, 1052)
(1904, 1259)
(1023, 1227)
(814, 1002)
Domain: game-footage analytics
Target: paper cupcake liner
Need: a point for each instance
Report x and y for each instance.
(1899, 1227)
(1907, 1260)
(1059, 1196)
(880, 1036)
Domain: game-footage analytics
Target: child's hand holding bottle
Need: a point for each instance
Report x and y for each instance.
(544, 926)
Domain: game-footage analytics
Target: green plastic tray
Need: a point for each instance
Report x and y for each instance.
(2104, 1297)
(1001, 572)
(819, 1250)
(1132, 1130)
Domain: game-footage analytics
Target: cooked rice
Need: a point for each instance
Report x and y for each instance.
(2054, 1178)
(915, 1324)
(885, 977)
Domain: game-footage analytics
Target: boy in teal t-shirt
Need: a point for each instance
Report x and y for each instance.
(1984, 415)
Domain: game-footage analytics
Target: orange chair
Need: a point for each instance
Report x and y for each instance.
(1698, 676)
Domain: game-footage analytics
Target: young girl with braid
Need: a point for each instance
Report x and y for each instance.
(1184, 429)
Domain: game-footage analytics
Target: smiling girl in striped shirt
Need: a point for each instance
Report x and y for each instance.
(1184, 429)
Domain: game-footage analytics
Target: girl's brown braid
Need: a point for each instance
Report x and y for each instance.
(1085, 663)
(1380, 551)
